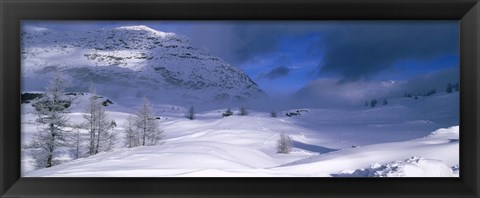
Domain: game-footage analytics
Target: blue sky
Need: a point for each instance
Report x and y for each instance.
(284, 56)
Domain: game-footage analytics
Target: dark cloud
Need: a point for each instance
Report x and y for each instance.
(358, 51)
(236, 42)
(352, 50)
(242, 41)
(277, 72)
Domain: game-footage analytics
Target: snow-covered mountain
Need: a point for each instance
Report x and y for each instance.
(132, 61)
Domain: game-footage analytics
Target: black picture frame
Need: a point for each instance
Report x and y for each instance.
(13, 11)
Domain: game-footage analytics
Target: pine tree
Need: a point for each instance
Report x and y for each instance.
(385, 102)
(284, 144)
(431, 92)
(373, 103)
(146, 124)
(456, 87)
(51, 122)
(449, 88)
(191, 113)
(243, 111)
(273, 114)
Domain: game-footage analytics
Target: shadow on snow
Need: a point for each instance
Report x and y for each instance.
(312, 148)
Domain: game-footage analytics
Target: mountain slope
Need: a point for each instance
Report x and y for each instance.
(133, 60)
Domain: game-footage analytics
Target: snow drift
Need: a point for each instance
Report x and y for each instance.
(245, 146)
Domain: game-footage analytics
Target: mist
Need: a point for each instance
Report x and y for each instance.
(334, 93)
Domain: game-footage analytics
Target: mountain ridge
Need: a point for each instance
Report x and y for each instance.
(135, 59)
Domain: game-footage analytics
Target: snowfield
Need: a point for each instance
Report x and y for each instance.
(406, 138)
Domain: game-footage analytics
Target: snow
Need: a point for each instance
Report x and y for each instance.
(406, 138)
(145, 28)
(413, 167)
(245, 146)
(439, 147)
(133, 60)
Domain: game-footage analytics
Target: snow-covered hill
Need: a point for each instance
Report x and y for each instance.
(132, 61)
(407, 137)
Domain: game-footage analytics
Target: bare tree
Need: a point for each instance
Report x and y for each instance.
(132, 138)
(147, 125)
(105, 134)
(284, 144)
(110, 138)
(51, 123)
(91, 118)
(99, 126)
(76, 140)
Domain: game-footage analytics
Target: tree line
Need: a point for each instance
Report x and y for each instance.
(374, 103)
(450, 87)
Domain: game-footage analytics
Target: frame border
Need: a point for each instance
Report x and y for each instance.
(13, 11)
